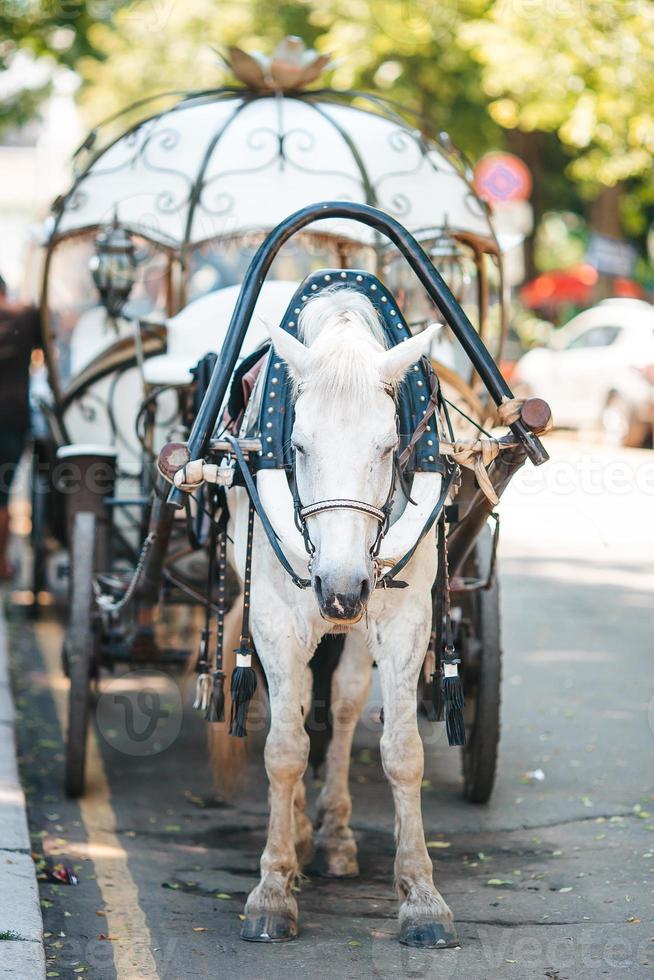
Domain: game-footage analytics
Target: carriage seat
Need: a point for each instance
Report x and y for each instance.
(201, 327)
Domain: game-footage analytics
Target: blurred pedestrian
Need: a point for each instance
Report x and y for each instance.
(20, 333)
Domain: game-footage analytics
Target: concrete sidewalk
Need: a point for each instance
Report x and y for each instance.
(21, 928)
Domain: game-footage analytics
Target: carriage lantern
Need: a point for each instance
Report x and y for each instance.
(446, 254)
(113, 267)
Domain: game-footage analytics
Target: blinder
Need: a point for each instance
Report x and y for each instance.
(276, 414)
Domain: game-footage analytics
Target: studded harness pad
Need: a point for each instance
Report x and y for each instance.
(276, 410)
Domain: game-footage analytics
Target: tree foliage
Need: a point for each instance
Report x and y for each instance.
(57, 30)
(575, 73)
(580, 68)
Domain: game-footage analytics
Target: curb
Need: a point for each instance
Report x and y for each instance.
(22, 957)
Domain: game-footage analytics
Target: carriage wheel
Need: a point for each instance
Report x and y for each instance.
(79, 649)
(482, 675)
(39, 531)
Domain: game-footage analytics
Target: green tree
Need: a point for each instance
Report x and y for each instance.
(58, 30)
(407, 49)
(580, 69)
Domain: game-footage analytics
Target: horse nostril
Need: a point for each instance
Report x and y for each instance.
(365, 591)
(317, 584)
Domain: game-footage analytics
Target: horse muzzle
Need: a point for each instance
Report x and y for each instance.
(342, 602)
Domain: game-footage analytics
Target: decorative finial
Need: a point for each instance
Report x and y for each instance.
(291, 67)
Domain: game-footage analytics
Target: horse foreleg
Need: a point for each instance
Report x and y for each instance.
(271, 908)
(425, 919)
(303, 828)
(335, 844)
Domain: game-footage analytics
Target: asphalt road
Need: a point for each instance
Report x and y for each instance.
(554, 878)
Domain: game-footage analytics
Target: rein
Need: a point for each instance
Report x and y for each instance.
(382, 514)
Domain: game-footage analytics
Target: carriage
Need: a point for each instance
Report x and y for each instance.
(190, 222)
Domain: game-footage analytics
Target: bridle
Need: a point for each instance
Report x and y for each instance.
(380, 514)
(385, 577)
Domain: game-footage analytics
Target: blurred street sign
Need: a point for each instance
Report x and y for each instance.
(502, 177)
(611, 256)
(513, 221)
(513, 218)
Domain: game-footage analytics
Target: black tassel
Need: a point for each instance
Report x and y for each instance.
(437, 700)
(452, 695)
(244, 684)
(216, 709)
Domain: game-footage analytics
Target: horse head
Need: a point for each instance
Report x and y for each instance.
(345, 440)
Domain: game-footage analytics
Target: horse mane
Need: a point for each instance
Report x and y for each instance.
(342, 326)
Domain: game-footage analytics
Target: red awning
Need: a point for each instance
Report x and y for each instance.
(574, 285)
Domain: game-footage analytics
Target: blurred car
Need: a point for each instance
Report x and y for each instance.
(598, 372)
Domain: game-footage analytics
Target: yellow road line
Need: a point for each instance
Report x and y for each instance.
(125, 920)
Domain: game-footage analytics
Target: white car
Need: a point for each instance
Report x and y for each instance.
(598, 371)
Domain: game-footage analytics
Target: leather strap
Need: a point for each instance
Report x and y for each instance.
(343, 503)
(387, 580)
(432, 407)
(302, 583)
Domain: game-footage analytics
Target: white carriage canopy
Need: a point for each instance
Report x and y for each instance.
(198, 183)
(219, 165)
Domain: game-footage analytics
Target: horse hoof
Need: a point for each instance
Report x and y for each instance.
(268, 927)
(428, 934)
(334, 865)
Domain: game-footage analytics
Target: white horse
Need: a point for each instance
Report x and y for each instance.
(344, 437)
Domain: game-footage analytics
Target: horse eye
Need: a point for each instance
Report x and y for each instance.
(299, 449)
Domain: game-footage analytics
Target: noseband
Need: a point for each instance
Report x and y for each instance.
(380, 514)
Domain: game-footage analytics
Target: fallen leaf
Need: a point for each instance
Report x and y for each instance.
(533, 777)
(498, 882)
(223, 895)
(354, 942)
(568, 888)
(195, 800)
(199, 928)
(438, 843)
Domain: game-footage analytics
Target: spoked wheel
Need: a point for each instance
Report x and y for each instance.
(38, 532)
(482, 673)
(79, 650)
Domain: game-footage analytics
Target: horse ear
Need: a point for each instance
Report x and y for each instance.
(394, 363)
(297, 356)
